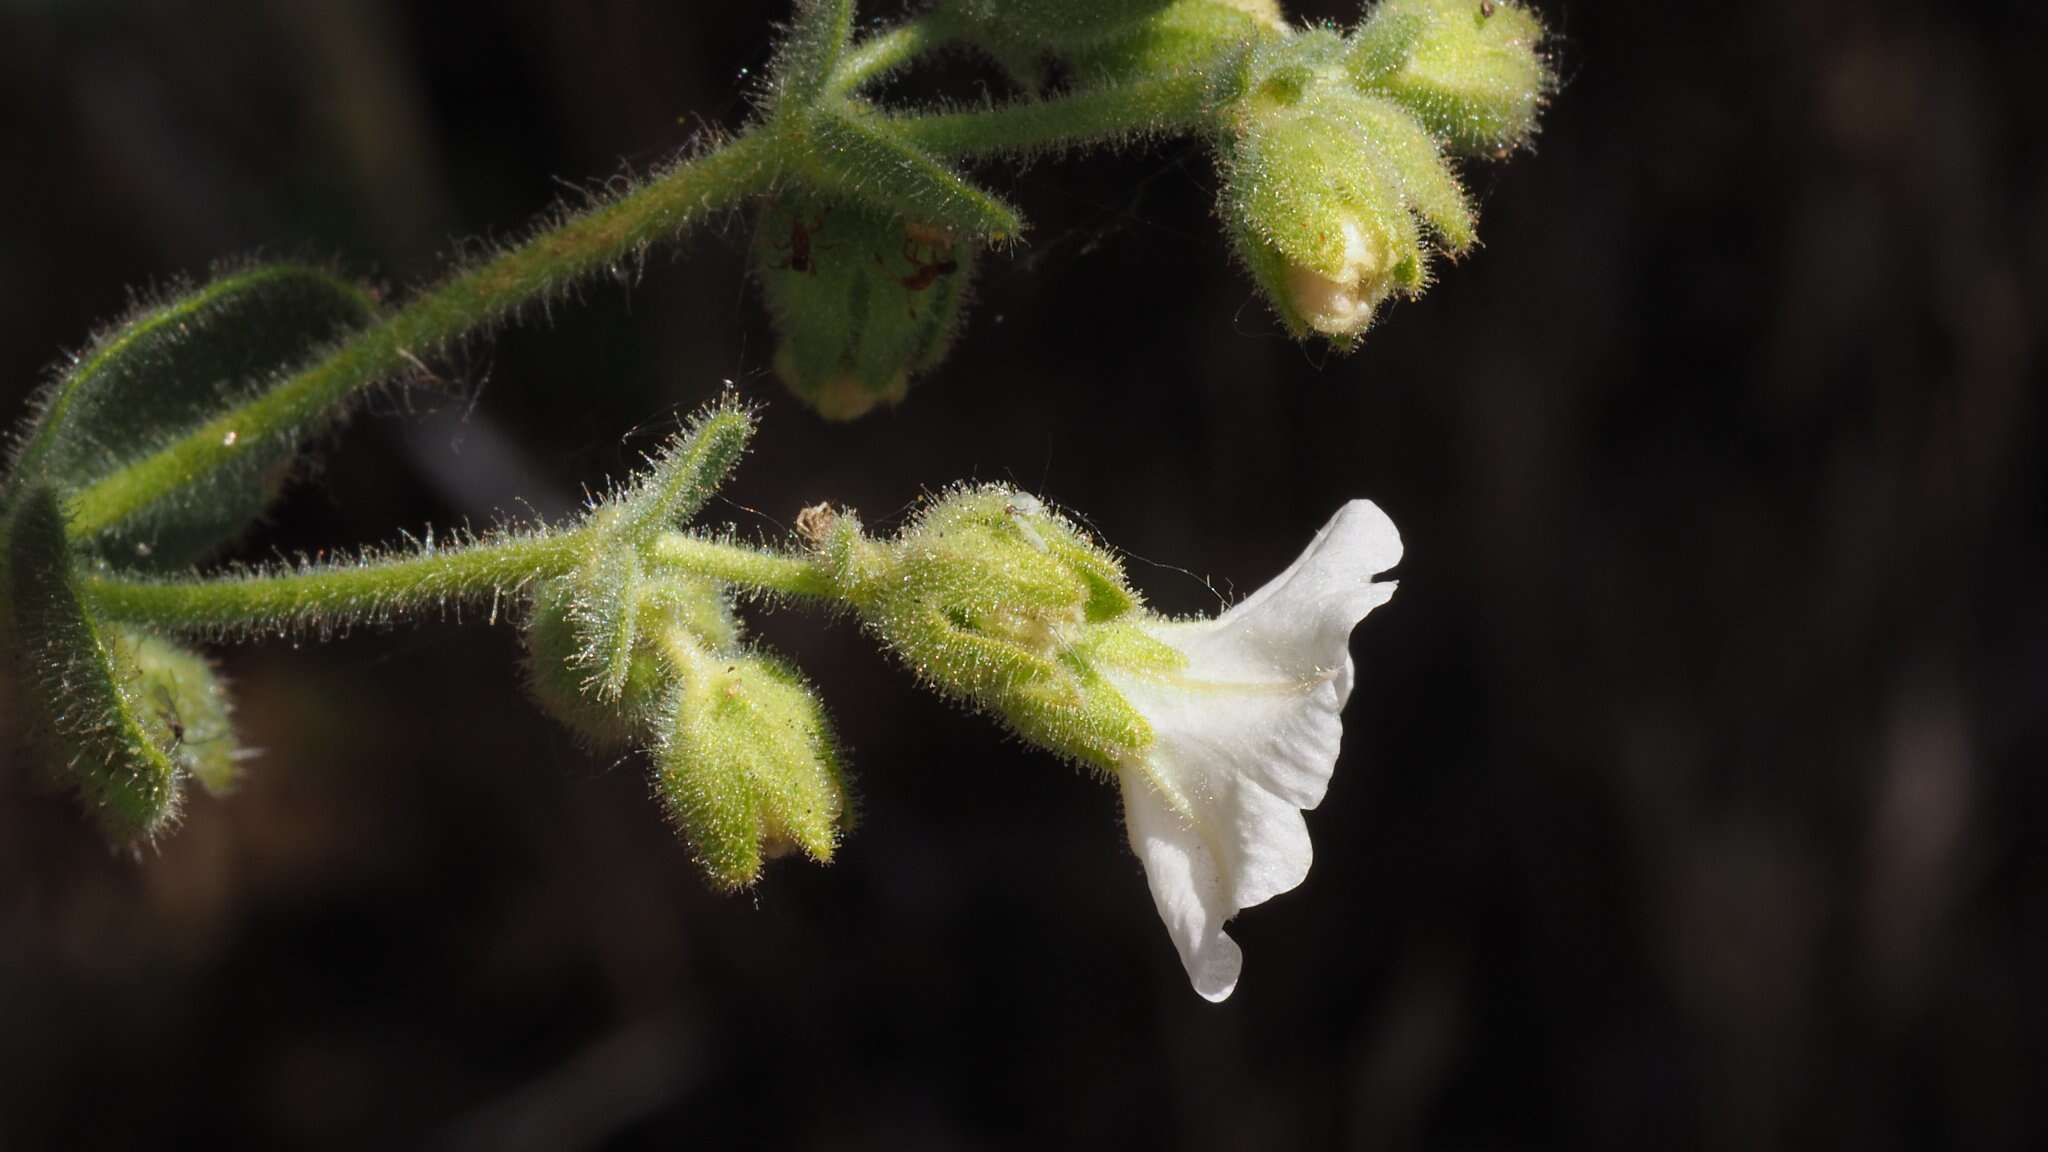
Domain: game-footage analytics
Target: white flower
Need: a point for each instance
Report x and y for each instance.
(1245, 737)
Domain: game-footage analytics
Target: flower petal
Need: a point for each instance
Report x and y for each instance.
(1245, 736)
(1186, 887)
(1300, 622)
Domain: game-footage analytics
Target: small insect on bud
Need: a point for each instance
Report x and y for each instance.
(862, 301)
(182, 702)
(1473, 70)
(747, 767)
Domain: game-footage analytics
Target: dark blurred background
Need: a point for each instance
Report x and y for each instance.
(1692, 792)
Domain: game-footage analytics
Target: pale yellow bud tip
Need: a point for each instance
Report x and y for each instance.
(1342, 304)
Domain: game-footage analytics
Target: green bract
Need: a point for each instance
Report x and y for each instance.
(1472, 69)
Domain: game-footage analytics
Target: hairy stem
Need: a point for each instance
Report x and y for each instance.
(551, 259)
(323, 597)
(1155, 106)
(662, 207)
(742, 567)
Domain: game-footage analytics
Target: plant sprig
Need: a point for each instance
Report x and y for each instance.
(171, 434)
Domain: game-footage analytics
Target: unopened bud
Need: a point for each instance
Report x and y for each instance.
(1319, 217)
(747, 768)
(592, 660)
(862, 301)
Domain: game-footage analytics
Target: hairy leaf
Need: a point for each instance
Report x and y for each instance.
(170, 369)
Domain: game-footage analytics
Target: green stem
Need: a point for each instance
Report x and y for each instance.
(172, 316)
(664, 206)
(329, 596)
(548, 262)
(879, 55)
(1155, 106)
(742, 567)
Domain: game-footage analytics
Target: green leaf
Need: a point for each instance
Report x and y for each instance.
(170, 369)
(861, 157)
(811, 48)
(98, 729)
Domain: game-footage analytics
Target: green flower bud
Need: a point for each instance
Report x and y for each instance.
(590, 661)
(997, 601)
(862, 301)
(594, 666)
(746, 766)
(1318, 215)
(1473, 70)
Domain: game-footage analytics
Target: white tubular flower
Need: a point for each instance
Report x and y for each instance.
(1245, 737)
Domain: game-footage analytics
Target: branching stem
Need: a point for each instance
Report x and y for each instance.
(328, 596)
(613, 231)
(666, 205)
(324, 597)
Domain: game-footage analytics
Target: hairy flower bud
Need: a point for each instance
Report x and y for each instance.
(1473, 70)
(995, 600)
(746, 766)
(1319, 218)
(585, 634)
(862, 301)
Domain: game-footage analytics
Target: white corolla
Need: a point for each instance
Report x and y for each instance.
(1245, 735)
